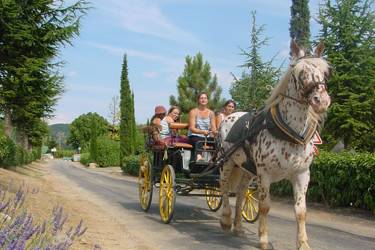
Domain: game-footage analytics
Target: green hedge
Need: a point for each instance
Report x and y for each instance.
(61, 153)
(131, 165)
(85, 159)
(14, 155)
(344, 179)
(108, 152)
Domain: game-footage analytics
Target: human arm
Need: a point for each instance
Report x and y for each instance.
(218, 120)
(213, 123)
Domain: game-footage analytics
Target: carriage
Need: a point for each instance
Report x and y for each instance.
(170, 168)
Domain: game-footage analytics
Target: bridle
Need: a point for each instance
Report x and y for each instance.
(306, 90)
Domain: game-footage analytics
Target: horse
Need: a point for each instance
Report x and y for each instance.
(285, 151)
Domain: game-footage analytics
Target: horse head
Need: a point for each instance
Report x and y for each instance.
(310, 75)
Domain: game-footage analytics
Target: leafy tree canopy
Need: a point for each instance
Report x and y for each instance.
(81, 129)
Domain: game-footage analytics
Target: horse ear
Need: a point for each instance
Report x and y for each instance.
(319, 49)
(294, 49)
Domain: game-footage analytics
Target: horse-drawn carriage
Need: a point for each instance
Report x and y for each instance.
(170, 167)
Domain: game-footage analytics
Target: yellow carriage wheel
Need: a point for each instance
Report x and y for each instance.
(167, 194)
(250, 206)
(145, 183)
(213, 198)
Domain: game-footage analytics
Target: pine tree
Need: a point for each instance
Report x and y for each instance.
(253, 88)
(127, 115)
(195, 79)
(300, 22)
(347, 27)
(31, 35)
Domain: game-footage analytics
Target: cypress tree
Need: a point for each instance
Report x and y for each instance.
(195, 79)
(300, 22)
(134, 125)
(126, 120)
(347, 27)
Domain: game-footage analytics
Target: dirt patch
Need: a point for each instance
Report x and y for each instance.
(103, 228)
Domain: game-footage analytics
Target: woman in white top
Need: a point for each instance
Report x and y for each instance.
(228, 108)
(201, 123)
(172, 116)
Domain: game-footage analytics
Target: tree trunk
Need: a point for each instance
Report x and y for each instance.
(8, 128)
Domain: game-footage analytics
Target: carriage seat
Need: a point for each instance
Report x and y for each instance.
(156, 144)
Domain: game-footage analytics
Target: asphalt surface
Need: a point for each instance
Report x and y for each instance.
(194, 226)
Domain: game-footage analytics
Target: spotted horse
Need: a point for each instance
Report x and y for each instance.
(276, 143)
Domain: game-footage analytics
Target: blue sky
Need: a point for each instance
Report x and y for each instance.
(157, 36)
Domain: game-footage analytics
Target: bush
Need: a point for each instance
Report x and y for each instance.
(131, 165)
(108, 152)
(61, 153)
(344, 179)
(85, 159)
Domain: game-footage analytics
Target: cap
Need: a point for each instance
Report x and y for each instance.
(160, 110)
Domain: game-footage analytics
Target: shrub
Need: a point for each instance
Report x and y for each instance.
(344, 179)
(61, 153)
(108, 152)
(131, 165)
(85, 159)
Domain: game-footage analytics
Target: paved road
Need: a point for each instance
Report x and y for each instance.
(194, 226)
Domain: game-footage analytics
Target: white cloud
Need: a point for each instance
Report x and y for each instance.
(145, 17)
(60, 118)
(131, 52)
(150, 74)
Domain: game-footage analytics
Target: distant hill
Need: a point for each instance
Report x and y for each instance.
(59, 127)
(60, 133)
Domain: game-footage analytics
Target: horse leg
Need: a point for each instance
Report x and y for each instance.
(240, 194)
(300, 183)
(264, 208)
(225, 174)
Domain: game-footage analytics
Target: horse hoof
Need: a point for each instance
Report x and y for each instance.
(238, 232)
(304, 246)
(225, 227)
(263, 245)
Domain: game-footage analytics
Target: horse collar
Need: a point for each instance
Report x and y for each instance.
(278, 128)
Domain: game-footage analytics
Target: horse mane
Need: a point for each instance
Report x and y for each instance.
(279, 89)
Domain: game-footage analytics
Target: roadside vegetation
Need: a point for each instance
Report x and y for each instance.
(27, 74)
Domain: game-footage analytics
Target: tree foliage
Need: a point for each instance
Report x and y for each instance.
(253, 88)
(127, 120)
(31, 34)
(300, 22)
(195, 79)
(347, 27)
(81, 129)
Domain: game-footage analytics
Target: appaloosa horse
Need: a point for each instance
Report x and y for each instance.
(282, 148)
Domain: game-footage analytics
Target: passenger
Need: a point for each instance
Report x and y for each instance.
(160, 112)
(167, 134)
(201, 123)
(228, 108)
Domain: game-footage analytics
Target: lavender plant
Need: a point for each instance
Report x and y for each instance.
(19, 230)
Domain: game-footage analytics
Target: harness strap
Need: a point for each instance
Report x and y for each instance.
(280, 129)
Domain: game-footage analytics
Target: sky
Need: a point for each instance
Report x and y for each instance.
(156, 36)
